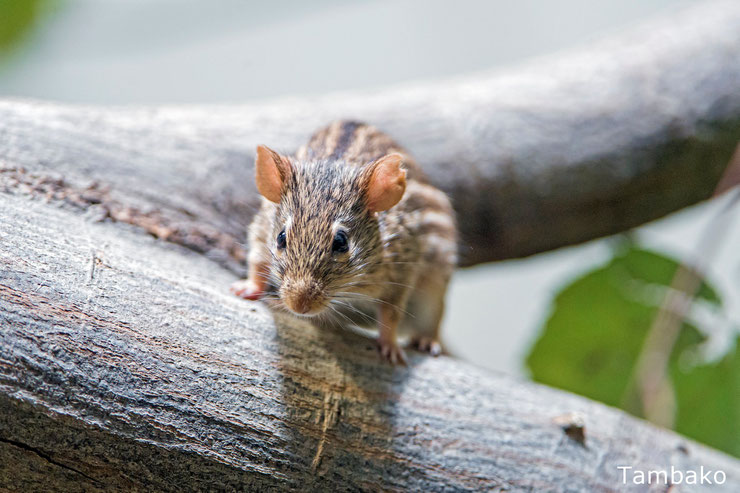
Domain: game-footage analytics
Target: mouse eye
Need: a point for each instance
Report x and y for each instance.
(340, 244)
(281, 240)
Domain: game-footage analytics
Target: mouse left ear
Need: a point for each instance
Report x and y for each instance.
(273, 170)
(386, 183)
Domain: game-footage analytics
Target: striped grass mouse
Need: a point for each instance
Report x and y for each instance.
(350, 230)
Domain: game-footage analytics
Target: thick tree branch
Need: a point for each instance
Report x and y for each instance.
(567, 149)
(125, 364)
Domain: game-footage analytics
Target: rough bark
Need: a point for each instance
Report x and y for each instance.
(564, 150)
(126, 365)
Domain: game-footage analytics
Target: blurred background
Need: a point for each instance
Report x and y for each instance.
(511, 316)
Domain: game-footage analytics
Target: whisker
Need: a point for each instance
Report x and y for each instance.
(368, 284)
(364, 297)
(381, 324)
(354, 309)
(334, 309)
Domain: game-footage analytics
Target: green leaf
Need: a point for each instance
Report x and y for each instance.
(591, 342)
(16, 18)
(709, 401)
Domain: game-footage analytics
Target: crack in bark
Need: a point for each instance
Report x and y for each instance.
(48, 458)
(187, 232)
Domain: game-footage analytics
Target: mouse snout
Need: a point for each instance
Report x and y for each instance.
(304, 297)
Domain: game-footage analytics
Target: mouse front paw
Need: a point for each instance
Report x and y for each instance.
(247, 289)
(390, 351)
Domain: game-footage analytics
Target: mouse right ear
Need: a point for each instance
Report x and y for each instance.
(386, 182)
(273, 170)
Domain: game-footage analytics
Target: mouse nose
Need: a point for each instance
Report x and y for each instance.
(299, 303)
(303, 297)
(302, 305)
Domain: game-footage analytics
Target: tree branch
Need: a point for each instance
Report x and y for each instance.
(125, 364)
(567, 149)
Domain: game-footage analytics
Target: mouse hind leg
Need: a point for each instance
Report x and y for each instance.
(427, 307)
(434, 226)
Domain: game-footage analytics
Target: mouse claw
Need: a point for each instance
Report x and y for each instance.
(392, 352)
(427, 345)
(247, 289)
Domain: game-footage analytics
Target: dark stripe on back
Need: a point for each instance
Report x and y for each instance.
(345, 139)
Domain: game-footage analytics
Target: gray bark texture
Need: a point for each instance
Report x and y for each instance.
(126, 365)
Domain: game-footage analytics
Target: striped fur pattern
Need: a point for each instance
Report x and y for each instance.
(397, 259)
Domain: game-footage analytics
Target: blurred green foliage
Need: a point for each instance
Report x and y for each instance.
(591, 343)
(709, 401)
(16, 19)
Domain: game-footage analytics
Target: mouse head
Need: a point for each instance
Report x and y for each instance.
(326, 240)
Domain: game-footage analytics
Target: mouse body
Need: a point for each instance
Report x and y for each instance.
(350, 229)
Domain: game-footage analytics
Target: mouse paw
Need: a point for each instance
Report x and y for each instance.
(427, 345)
(247, 289)
(391, 352)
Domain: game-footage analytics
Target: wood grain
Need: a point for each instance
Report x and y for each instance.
(125, 364)
(559, 151)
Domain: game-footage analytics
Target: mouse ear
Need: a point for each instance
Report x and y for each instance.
(386, 183)
(273, 170)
